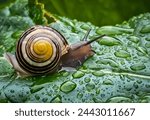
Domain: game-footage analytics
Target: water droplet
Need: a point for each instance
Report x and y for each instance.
(139, 81)
(12, 91)
(79, 95)
(147, 45)
(145, 29)
(97, 91)
(90, 86)
(133, 39)
(44, 100)
(148, 39)
(107, 61)
(111, 30)
(78, 74)
(145, 99)
(85, 27)
(98, 73)
(96, 100)
(119, 100)
(80, 82)
(108, 41)
(122, 62)
(147, 86)
(137, 67)
(37, 97)
(122, 54)
(135, 85)
(87, 79)
(68, 86)
(56, 99)
(65, 74)
(108, 82)
(36, 88)
(55, 87)
(142, 50)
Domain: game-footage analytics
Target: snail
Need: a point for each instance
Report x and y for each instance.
(43, 50)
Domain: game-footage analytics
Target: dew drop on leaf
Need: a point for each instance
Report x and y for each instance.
(119, 99)
(68, 86)
(133, 39)
(108, 82)
(98, 73)
(37, 97)
(56, 99)
(78, 74)
(85, 27)
(87, 79)
(79, 95)
(122, 54)
(147, 45)
(90, 86)
(108, 41)
(145, 29)
(137, 67)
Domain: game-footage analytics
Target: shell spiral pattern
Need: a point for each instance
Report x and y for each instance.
(39, 50)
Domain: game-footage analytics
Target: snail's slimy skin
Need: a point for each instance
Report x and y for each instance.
(43, 50)
(12, 60)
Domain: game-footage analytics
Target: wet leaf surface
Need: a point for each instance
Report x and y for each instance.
(118, 72)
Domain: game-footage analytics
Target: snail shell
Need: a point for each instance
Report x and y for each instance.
(38, 51)
(43, 50)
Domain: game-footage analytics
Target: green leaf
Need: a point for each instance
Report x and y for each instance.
(118, 72)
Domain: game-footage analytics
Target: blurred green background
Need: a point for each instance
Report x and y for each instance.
(98, 12)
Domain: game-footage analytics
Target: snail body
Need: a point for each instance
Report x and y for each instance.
(43, 50)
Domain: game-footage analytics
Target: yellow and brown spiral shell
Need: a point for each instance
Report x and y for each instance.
(39, 50)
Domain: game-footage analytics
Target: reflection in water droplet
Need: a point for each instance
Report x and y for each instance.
(122, 54)
(108, 82)
(56, 99)
(137, 67)
(145, 29)
(78, 74)
(98, 73)
(119, 100)
(108, 41)
(90, 86)
(68, 86)
(87, 79)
